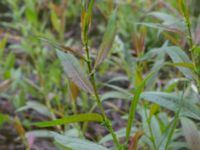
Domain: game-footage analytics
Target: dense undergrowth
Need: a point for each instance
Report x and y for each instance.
(100, 74)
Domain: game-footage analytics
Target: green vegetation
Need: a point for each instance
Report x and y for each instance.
(100, 74)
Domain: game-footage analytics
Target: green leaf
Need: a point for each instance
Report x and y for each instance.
(71, 119)
(37, 107)
(169, 132)
(39, 133)
(178, 56)
(3, 118)
(163, 16)
(172, 102)
(86, 16)
(74, 71)
(119, 89)
(76, 143)
(182, 64)
(115, 95)
(161, 27)
(55, 20)
(166, 139)
(169, 20)
(120, 134)
(118, 78)
(108, 39)
(31, 13)
(133, 106)
(2, 47)
(191, 133)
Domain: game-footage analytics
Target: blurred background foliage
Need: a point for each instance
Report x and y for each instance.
(151, 37)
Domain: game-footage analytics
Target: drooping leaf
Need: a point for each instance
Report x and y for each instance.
(108, 38)
(71, 119)
(191, 133)
(74, 71)
(76, 143)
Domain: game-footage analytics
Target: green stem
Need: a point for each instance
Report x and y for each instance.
(105, 118)
(150, 130)
(192, 45)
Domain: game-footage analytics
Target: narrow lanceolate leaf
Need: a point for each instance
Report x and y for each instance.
(86, 17)
(75, 52)
(74, 71)
(108, 38)
(182, 64)
(178, 56)
(191, 133)
(134, 103)
(71, 119)
(67, 142)
(171, 101)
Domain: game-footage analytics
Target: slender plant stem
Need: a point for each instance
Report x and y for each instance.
(191, 43)
(150, 129)
(105, 118)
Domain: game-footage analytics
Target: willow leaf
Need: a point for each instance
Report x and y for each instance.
(74, 71)
(70, 119)
(178, 56)
(134, 103)
(108, 39)
(68, 142)
(191, 133)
